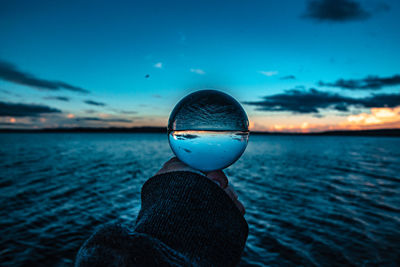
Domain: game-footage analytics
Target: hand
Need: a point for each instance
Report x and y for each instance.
(175, 165)
(219, 177)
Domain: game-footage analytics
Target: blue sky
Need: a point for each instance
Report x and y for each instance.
(250, 49)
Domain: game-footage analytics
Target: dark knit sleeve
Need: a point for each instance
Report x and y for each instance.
(185, 220)
(194, 216)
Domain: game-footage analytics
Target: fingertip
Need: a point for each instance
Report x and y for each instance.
(241, 207)
(173, 159)
(218, 176)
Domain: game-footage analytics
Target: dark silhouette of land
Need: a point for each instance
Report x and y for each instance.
(380, 132)
(90, 130)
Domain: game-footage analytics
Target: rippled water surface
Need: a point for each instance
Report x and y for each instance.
(309, 200)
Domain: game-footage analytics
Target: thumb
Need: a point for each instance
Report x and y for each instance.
(219, 177)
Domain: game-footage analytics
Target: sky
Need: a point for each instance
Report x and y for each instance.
(296, 66)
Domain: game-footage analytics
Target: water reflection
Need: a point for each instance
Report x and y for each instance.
(208, 150)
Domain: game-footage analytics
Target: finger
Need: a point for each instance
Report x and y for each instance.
(240, 207)
(231, 192)
(171, 160)
(174, 164)
(166, 167)
(220, 177)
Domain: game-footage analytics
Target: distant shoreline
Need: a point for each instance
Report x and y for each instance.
(380, 132)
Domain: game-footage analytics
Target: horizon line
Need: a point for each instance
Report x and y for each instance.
(157, 129)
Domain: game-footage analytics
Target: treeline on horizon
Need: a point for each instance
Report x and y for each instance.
(378, 132)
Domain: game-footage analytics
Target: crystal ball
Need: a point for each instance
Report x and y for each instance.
(208, 130)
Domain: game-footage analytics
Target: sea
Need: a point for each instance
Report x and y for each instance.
(310, 200)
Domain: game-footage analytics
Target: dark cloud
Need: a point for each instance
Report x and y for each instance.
(121, 111)
(382, 7)
(94, 103)
(317, 115)
(24, 110)
(102, 120)
(5, 91)
(127, 112)
(288, 77)
(12, 124)
(9, 93)
(311, 101)
(368, 83)
(381, 100)
(10, 72)
(335, 10)
(59, 98)
(299, 101)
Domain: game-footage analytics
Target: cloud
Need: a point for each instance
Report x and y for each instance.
(9, 93)
(269, 73)
(311, 101)
(158, 65)
(5, 91)
(102, 119)
(381, 100)
(24, 110)
(94, 103)
(368, 83)
(127, 112)
(10, 72)
(59, 98)
(335, 10)
(12, 124)
(198, 71)
(381, 7)
(288, 77)
(121, 111)
(377, 116)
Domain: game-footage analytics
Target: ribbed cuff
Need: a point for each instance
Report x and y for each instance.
(194, 216)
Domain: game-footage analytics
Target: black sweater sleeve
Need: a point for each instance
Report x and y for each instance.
(185, 219)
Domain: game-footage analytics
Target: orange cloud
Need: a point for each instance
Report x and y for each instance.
(378, 118)
(304, 127)
(251, 125)
(70, 116)
(104, 115)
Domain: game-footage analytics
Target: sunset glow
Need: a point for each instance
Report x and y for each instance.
(379, 118)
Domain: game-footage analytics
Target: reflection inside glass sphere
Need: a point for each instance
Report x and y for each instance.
(208, 150)
(208, 130)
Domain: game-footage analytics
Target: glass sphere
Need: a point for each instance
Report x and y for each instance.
(208, 130)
